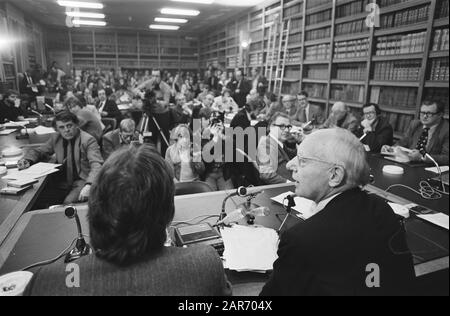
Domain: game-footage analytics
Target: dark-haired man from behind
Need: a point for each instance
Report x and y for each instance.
(129, 237)
(376, 131)
(428, 135)
(77, 152)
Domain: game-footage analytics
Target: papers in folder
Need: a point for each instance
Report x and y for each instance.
(249, 248)
(34, 172)
(303, 207)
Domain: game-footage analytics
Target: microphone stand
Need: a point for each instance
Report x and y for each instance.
(81, 247)
(427, 155)
(288, 208)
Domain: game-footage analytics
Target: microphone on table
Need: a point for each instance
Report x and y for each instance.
(240, 213)
(427, 155)
(50, 108)
(288, 208)
(21, 136)
(82, 248)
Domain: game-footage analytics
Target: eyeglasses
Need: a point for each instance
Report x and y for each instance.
(283, 127)
(428, 114)
(302, 161)
(370, 113)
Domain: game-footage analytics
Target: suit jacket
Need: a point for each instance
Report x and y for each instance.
(88, 158)
(110, 143)
(213, 83)
(328, 254)
(437, 145)
(241, 120)
(244, 88)
(9, 112)
(272, 161)
(90, 123)
(193, 271)
(315, 113)
(383, 134)
(112, 110)
(350, 122)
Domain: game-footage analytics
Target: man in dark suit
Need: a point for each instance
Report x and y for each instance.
(77, 152)
(123, 136)
(428, 135)
(341, 116)
(243, 118)
(241, 90)
(8, 109)
(132, 254)
(27, 85)
(375, 131)
(353, 243)
(108, 107)
(309, 112)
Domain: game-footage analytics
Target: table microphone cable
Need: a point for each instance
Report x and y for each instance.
(426, 191)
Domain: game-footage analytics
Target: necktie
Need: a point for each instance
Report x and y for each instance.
(69, 163)
(423, 141)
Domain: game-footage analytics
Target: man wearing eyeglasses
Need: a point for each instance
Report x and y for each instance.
(375, 130)
(8, 109)
(350, 232)
(123, 136)
(271, 156)
(429, 135)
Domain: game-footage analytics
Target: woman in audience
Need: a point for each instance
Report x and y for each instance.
(225, 103)
(180, 156)
(128, 233)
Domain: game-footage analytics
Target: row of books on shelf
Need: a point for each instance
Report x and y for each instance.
(404, 70)
(439, 70)
(316, 90)
(318, 52)
(351, 71)
(320, 17)
(442, 9)
(256, 59)
(317, 72)
(295, 38)
(352, 49)
(399, 122)
(315, 3)
(386, 3)
(292, 73)
(318, 34)
(294, 56)
(401, 44)
(440, 40)
(358, 26)
(296, 23)
(406, 17)
(292, 10)
(351, 8)
(394, 96)
(350, 93)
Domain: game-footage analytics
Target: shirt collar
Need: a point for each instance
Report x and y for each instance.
(322, 204)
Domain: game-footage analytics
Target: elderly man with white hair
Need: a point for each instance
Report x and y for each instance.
(122, 136)
(341, 116)
(353, 244)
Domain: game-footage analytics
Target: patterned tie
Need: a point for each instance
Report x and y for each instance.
(423, 141)
(69, 163)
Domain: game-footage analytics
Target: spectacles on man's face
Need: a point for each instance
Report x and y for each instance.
(283, 126)
(370, 114)
(428, 114)
(302, 161)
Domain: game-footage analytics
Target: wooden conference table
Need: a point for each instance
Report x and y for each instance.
(42, 235)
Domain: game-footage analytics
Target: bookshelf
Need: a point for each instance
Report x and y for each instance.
(334, 55)
(109, 49)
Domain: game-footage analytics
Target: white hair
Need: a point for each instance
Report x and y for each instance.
(341, 147)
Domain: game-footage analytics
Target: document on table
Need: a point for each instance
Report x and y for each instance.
(249, 248)
(439, 219)
(34, 172)
(7, 132)
(42, 130)
(303, 207)
(16, 124)
(434, 169)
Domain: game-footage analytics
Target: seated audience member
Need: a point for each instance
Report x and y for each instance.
(256, 103)
(271, 156)
(289, 107)
(122, 136)
(359, 229)
(243, 118)
(259, 82)
(180, 156)
(182, 111)
(128, 236)
(428, 135)
(106, 106)
(8, 109)
(376, 131)
(224, 102)
(77, 152)
(88, 122)
(208, 100)
(309, 112)
(241, 88)
(269, 100)
(340, 116)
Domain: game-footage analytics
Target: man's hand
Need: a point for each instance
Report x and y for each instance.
(367, 125)
(415, 155)
(387, 149)
(84, 194)
(23, 164)
(104, 113)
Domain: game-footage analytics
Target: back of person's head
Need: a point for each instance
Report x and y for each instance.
(343, 148)
(72, 101)
(130, 206)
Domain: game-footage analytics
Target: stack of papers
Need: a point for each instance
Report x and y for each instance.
(399, 209)
(42, 130)
(439, 219)
(249, 248)
(303, 207)
(434, 169)
(16, 124)
(36, 171)
(7, 132)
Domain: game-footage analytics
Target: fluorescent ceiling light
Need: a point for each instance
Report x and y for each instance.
(239, 3)
(173, 11)
(87, 22)
(196, 1)
(80, 4)
(164, 27)
(75, 14)
(170, 20)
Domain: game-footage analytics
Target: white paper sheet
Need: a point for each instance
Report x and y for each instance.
(303, 207)
(434, 169)
(439, 219)
(399, 209)
(7, 132)
(41, 130)
(249, 248)
(34, 172)
(16, 124)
